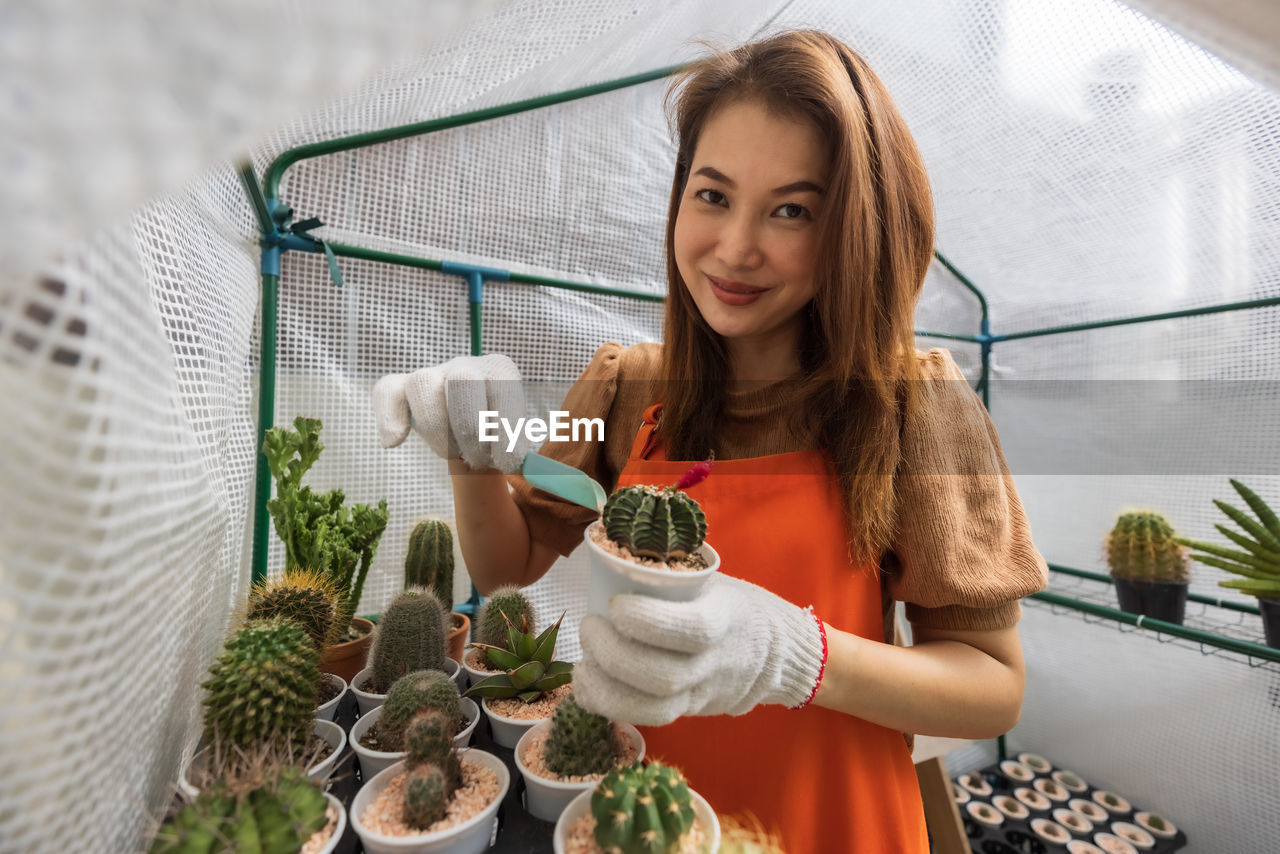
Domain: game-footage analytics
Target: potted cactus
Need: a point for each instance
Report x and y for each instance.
(410, 637)
(429, 563)
(1149, 566)
(1258, 565)
(435, 800)
(378, 737)
(650, 540)
(529, 684)
(320, 532)
(570, 754)
(505, 606)
(639, 808)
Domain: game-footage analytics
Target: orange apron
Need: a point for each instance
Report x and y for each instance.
(828, 782)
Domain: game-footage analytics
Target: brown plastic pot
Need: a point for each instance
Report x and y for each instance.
(348, 658)
(459, 634)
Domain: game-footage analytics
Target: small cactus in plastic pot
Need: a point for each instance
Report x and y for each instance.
(1149, 567)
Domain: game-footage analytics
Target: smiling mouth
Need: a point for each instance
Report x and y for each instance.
(735, 287)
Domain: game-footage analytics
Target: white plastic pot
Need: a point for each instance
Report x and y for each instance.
(611, 575)
(545, 798)
(368, 700)
(340, 828)
(581, 806)
(471, 675)
(373, 762)
(470, 837)
(329, 709)
(507, 731)
(319, 773)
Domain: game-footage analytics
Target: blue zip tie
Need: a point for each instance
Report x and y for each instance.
(475, 276)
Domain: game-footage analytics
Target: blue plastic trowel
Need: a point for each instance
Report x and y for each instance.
(563, 481)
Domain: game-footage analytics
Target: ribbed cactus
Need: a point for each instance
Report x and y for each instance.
(433, 766)
(581, 743)
(276, 818)
(662, 523)
(642, 809)
(410, 636)
(429, 562)
(1143, 547)
(305, 596)
(416, 692)
(1259, 564)
(527, 662)
(262, 689)
(502, 607)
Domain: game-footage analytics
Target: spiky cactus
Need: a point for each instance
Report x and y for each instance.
(433, 766)
(642, 809)
(1259, 564)
(581, 743)
(416, 692)
(305, 596)
(527, 661)
(662, 523)
(262, 689)
(410, 636)
(502, 607)
(429, 562)
(1143, 547)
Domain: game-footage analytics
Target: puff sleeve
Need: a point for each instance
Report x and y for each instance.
(962, 555)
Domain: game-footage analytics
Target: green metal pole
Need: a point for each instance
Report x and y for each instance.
(1146, 318)
(266, 417)
(1191, 597)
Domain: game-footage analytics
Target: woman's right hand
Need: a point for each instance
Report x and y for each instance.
(443, 403)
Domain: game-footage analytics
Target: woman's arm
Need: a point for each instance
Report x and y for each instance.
(957, 684)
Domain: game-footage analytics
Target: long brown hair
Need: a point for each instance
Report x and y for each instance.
(874, 248)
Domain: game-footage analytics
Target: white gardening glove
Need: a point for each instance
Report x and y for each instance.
(734, 647)
(444, 403)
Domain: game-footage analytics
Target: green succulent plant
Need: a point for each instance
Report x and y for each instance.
(581, 743)
(410, 636)
(429, 562)
(656, 522)
(433, 766)
(504, 606)
(642, 809)
(1144, 547)
(303, 595)
(527, 661)
(1259, 563)
(413, 693)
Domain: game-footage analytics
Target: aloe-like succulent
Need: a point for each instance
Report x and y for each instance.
(1259, 564)
(581, 743)
(642, 809)
(1143, 547)
(656, 522)
(429, 562)
(527, 661)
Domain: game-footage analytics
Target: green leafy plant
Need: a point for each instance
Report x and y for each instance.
(642, 809)
(527, 661)
(581, 743)
(1143, 547)
(504, 606)
(1259, 563)
(429, 562)
(302, 595)
(658, 522)
(410, 636)
(433, 766)
(413, 693)
(317, 528)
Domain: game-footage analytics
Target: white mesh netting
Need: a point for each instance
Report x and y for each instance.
(1087, 164)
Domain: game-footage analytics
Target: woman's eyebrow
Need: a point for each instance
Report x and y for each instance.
(794, 187)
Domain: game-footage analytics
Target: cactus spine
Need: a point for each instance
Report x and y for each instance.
(662, 523)
(581, 743)
(1143, 547)
(422, 690)
(1259, 564)
(433, 766)
(410, 636)
(429, 562)
(642, 809)
(504, 604)
(306, 597)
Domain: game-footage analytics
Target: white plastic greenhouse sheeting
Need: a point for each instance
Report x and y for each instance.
(1087, 164)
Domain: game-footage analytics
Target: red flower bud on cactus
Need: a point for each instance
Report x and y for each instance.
(696, 475)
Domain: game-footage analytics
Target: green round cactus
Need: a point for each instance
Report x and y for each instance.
(662, 523)
(262, 688)
(429, 562)
(491, 628)
(426, 797)
(1143, 547)
(304, 596)
(413, 693)
(642, 809)
(435, 771)
(410, 636)
(581, 743)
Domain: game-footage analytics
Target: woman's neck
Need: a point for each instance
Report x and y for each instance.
(756, 363)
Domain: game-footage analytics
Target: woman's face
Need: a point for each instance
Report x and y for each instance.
(747, 228)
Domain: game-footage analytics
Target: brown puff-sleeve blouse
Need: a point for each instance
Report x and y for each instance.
(962, 556)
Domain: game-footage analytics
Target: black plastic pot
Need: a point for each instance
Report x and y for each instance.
(1160, 600)
(1270, 610)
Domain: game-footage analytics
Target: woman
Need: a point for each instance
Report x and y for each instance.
(849, 469)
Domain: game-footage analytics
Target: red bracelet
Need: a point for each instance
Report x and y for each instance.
(822, 668)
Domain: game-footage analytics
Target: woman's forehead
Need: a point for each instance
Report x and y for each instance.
(747, 142)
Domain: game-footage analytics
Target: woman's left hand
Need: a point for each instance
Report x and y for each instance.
(732, 648)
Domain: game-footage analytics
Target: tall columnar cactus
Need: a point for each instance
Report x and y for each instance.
(581, 743)
(527, 662)
(1259, 564)
(429, 562)
(504, 606)
(420, 691)
(1143, 547)
(262, 689)
(434, 769)
(642, 809)
(662, 523)
(410, 636)
(305, 596)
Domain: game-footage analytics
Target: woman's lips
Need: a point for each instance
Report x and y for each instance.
(734, 293)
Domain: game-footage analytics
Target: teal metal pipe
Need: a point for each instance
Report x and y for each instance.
(1145, 318)
(266, 417)
(250, 181)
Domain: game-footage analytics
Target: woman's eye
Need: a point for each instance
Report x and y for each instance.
(713, 197)
(793, 211)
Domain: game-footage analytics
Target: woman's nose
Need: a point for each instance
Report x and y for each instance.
(738, 244)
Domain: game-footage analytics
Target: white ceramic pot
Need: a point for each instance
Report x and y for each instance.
(368, 701)
(611, 575)
(507, 731)
(581, 806)
(1070, 781)
(332, 844)
(1088, 809)
(984, 813)
(373, 762)
(1134, 835)
(545, 798)
(329, 709)
(1156, 825)
(319, 773)
(1111, 802)
(1035, 762)
(471, 675)
(470, 837)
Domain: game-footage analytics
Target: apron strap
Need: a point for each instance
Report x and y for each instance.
(646, 436)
